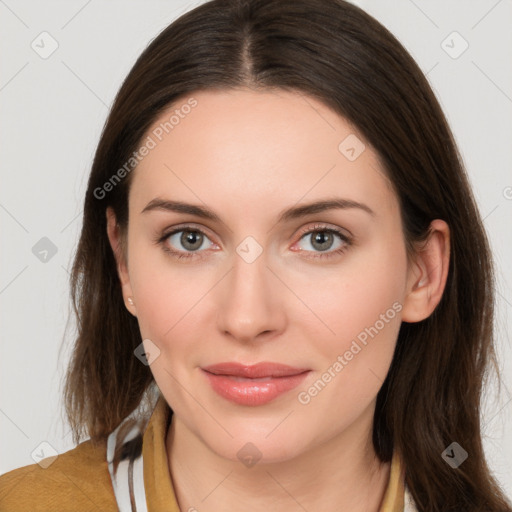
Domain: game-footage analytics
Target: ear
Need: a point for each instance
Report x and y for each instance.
(427, 274)
(114, 236)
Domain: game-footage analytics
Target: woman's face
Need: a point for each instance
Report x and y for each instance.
(262, 279)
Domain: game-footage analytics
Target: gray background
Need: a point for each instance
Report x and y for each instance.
(52, 112)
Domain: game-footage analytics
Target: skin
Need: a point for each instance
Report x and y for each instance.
(247, 156)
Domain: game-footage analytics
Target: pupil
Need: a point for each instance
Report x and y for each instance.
(320, 238)
(191, 238)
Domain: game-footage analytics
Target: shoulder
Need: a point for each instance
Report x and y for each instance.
(76, 480)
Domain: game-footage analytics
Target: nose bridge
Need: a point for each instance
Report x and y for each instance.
(248, 306)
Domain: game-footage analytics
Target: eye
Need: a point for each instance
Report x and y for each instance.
(184, 242)
(322, 239)
(190, 242)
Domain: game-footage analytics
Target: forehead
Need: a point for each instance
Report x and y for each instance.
(256, 148)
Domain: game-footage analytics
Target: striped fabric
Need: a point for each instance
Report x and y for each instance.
(409, 505)
(124, 455)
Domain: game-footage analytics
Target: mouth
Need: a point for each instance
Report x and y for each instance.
(255, 384)
(254, 371)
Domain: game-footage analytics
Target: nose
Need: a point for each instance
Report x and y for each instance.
(250, 304)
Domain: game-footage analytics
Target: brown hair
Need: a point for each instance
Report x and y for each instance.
(338, 54)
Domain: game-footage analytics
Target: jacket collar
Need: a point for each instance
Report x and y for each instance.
(139, 469)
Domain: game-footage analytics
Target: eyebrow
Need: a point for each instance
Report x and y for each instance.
(295, 212)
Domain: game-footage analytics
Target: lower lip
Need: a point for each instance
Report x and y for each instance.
(244, 391)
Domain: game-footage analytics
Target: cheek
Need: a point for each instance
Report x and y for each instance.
(361, 306)
(360, 299)
(171, 303)
(161, 290)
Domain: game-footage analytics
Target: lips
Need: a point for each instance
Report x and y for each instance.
(255, 384)
(255, 371)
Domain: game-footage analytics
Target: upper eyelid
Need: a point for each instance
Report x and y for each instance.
(325, 226)
(185, 227)
(318, 225)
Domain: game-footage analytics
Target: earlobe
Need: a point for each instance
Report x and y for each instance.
(428, 274)
(114, 236)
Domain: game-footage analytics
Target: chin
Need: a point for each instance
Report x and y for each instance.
(252, 447)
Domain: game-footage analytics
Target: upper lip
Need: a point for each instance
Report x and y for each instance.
(254, 371)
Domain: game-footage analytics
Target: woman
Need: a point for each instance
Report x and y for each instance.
(283, 285)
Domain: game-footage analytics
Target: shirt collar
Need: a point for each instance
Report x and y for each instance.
(157, 487)
(157, 479)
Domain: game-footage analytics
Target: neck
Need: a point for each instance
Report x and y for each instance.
(342, 474)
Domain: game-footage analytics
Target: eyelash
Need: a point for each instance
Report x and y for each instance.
(317, 228)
